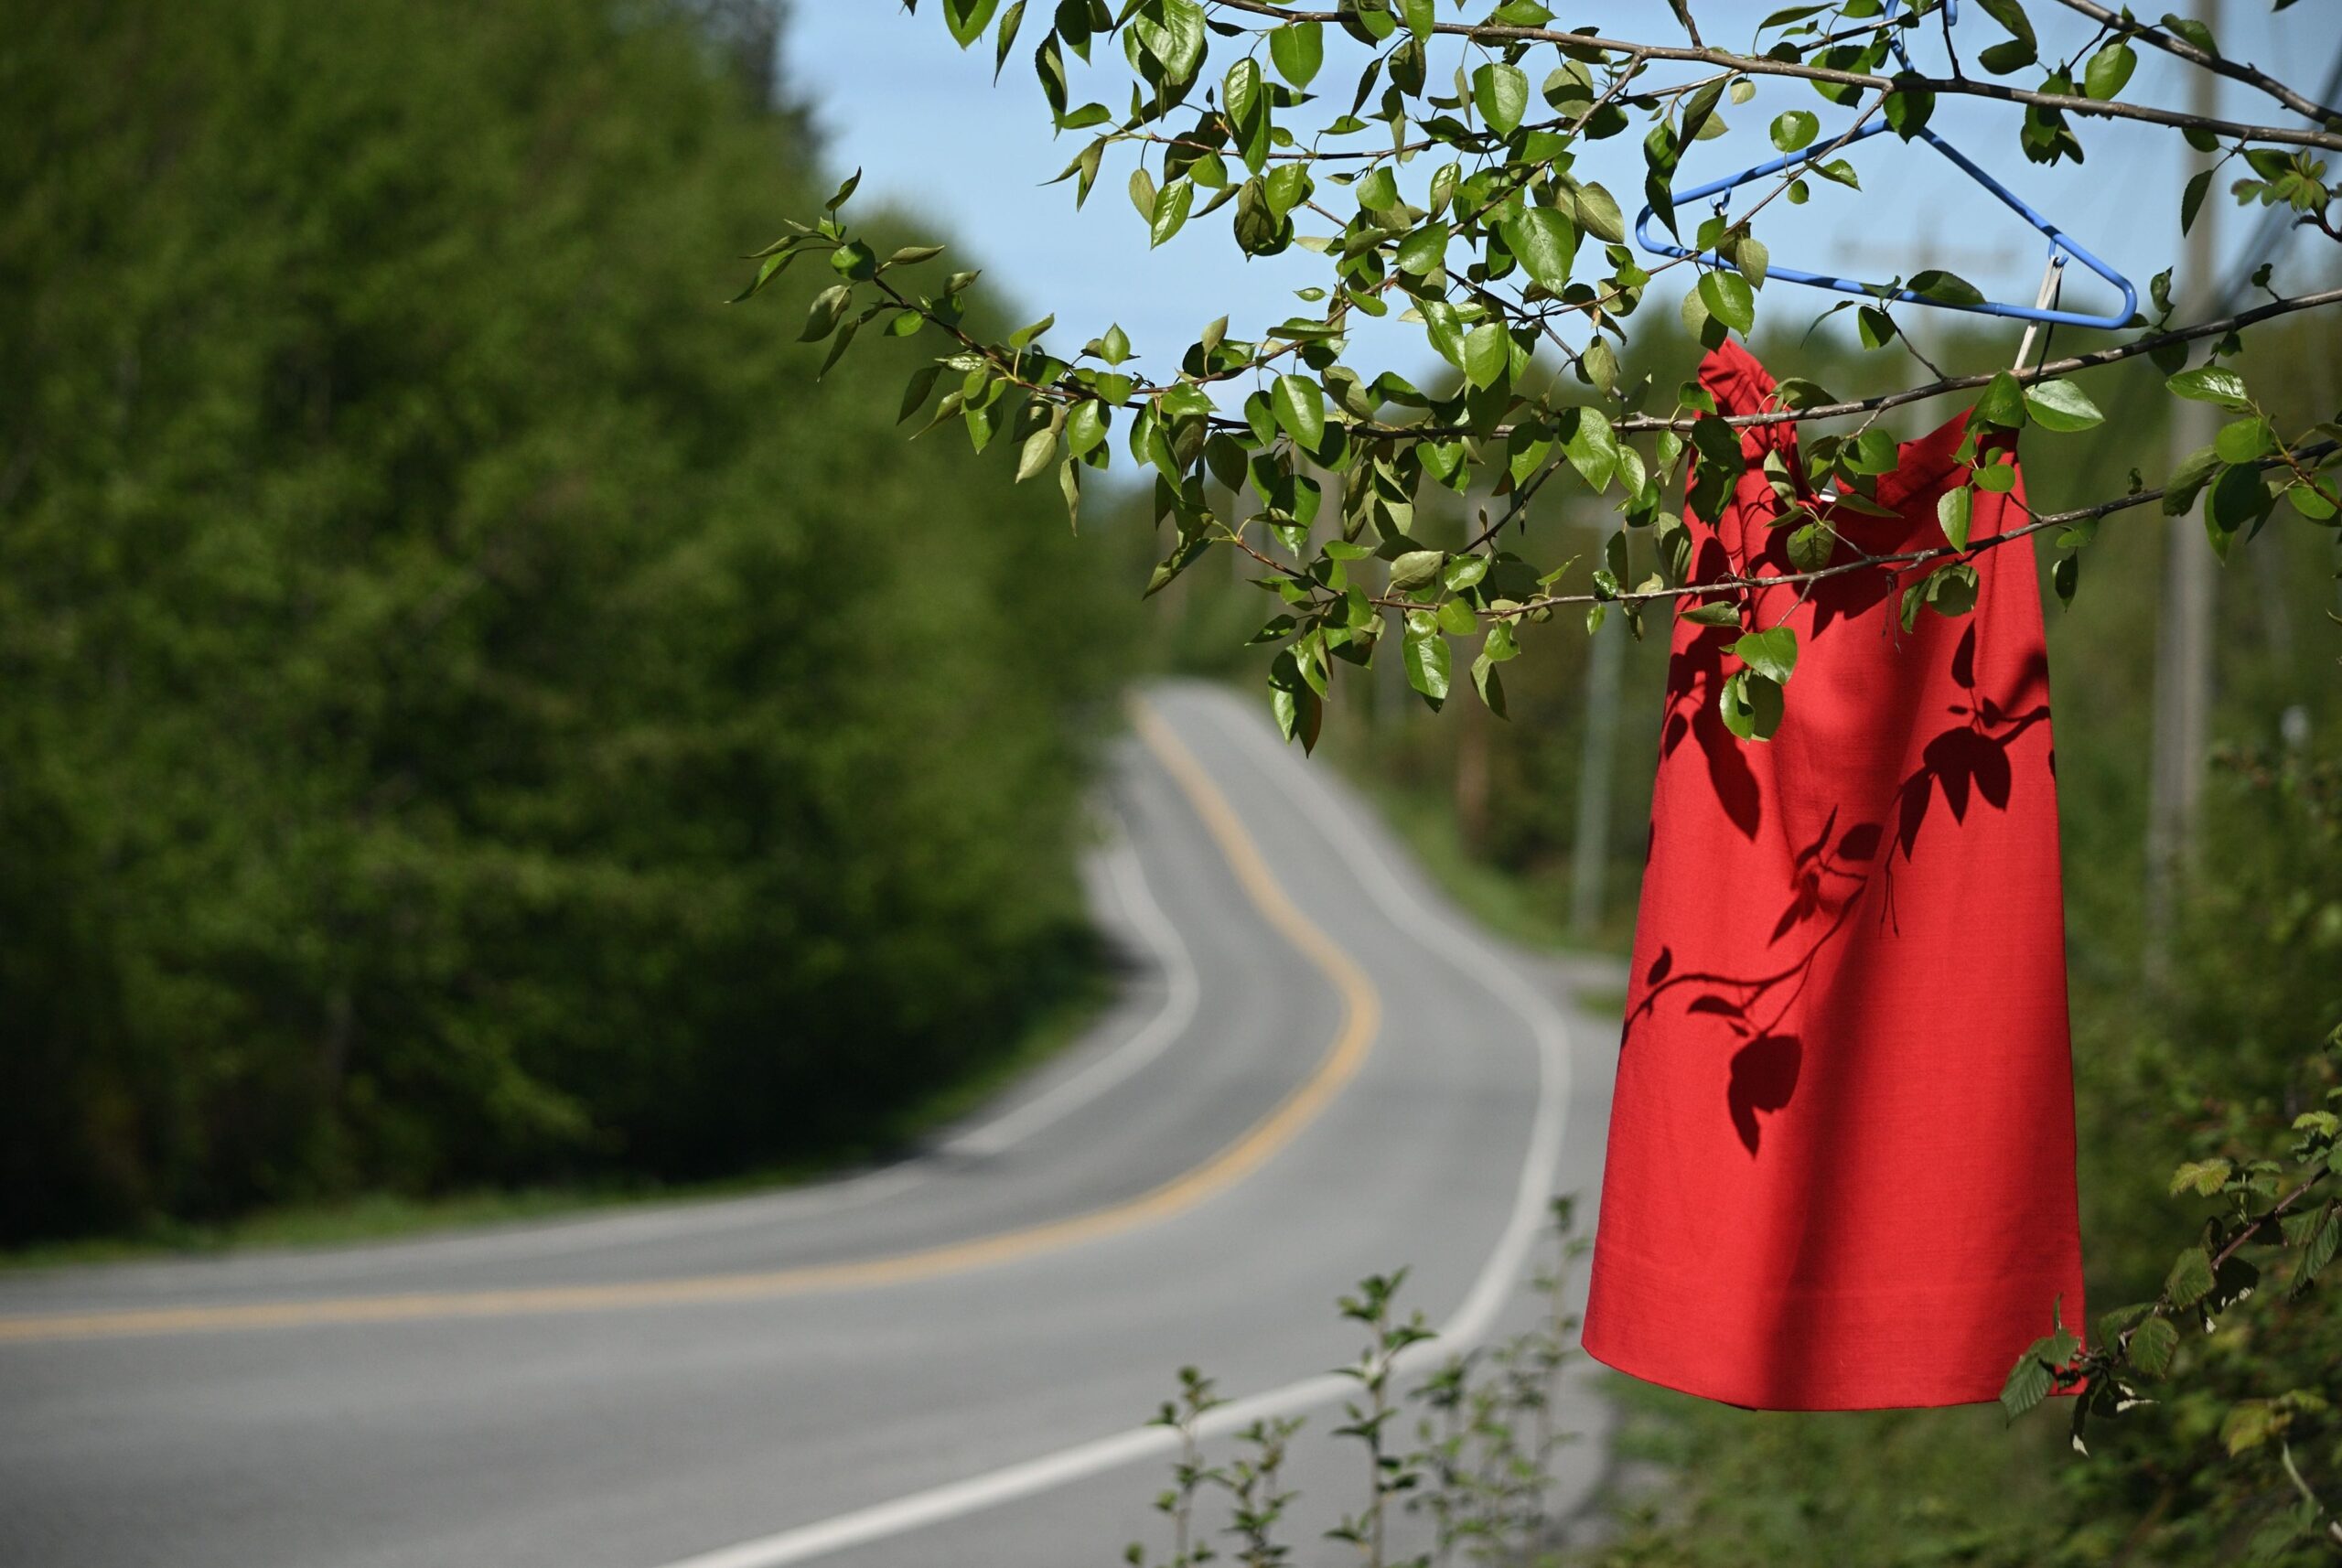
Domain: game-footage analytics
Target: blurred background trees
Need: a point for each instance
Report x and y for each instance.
(471, 709)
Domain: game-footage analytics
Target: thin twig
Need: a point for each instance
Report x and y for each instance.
(1735, 583)
(2233, 70)
(1765, 65)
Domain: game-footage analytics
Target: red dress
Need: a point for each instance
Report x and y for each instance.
(1840, 1170)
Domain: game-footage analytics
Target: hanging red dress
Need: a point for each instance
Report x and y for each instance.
(1841, 1169)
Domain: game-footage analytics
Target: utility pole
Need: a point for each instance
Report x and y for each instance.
(2184, 631)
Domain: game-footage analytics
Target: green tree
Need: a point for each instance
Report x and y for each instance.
(471, 708)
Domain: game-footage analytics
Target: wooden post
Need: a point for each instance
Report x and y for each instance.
(2182, 699)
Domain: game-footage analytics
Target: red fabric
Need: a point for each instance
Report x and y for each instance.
(1841, 1170)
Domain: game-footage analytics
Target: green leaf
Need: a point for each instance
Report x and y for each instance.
(822, 317)
(1795, 131)
(1428, 663)
(775, 264)
(2188, 480)
(2012, 54)
(1811, 546)
(1597, 210)
(1419, 17)
(2061, 405)
(1171, 205)
(1952, 589)
(2249, 1425)
(1750, 704)
(1498, 647)
(2194, 31)
(1728, 298)
(1908, 110)
(2029, 1382)
(2239, 497)
(1953, 509)
(1945, 288)
(1011, 22)
(1501, 92)
(2152, 1344)
(1287, 187)
(1239, 90)
(2002, 403)
(1299, 405)
(1874, 327)
(2010, 14)
(1416, 569)
(2211, 383)
(1838, 170)
(1593, 448)
(1298, 49)
(917, 390)
(1772, 653)
(2310, 501)
(2190, 1280)
(2191, 201)
(1463, 572)
(2203, 1177)
(1424, 251)
(2108, 70)
(1085, 427)
(968, 18)
(1445, 330)
(2243, 440)
(1546, 243)
(1173, 32)
(1039, 450)
(1487, 354)
(1714, 615)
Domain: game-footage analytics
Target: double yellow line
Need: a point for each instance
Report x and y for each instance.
(1361, 1018)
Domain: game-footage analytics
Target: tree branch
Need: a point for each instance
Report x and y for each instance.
(2251, 75)
(1761, 65)
(1735, 583)
(2048, 370)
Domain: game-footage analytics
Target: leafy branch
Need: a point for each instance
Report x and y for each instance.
(1768, 65)
(2295, 1228)
(1275, 446)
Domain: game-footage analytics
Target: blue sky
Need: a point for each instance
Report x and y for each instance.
(937, 140)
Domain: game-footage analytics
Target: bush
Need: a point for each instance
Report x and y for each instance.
(443, 736)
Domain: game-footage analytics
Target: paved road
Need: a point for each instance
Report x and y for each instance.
(1318, 1070)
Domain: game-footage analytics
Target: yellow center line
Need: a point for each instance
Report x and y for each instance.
(1361, 1017)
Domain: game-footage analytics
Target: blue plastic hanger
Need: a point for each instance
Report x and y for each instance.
(2059, 243)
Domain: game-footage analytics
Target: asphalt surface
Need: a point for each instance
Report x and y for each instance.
(1317, 1070)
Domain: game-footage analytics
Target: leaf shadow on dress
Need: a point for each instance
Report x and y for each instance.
(1839, 873)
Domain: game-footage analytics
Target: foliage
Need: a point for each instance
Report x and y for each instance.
(1502, 255)
(1470, 1482)
(470, 709)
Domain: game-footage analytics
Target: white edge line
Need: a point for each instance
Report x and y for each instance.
(1184, 993)
(1470, 1322)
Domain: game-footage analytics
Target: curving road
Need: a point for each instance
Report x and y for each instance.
(1317, 1070)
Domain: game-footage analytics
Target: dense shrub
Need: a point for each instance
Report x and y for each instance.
(443, 736)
